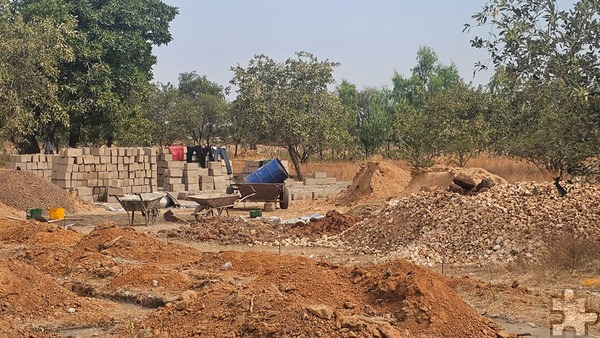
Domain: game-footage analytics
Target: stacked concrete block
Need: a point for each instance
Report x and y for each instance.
(38, 164)
(191, 173)
(96, 173)
(179, 176)
(319, 178)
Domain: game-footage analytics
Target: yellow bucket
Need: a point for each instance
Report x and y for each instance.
(57, 213)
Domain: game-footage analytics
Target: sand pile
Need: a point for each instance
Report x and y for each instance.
(6, 211)
(506, 223)
(265, 295)
(374, 181)
(22, 190)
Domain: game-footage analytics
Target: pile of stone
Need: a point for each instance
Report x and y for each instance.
(503, 224)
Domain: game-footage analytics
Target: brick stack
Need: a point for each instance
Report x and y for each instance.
(181, 176)
(38, 164)
(319, 178)
(100, 172)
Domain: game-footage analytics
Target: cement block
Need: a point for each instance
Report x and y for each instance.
(72, 152)
(173, 180)
(84, 191)
(174, 173)
(65, 184)
(206, 186)
(319, 174)
(301, 195)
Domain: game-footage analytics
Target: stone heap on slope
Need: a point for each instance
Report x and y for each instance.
(501, 225)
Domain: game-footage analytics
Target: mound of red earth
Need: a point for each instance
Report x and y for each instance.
(22, 190)
(214, 294)
(261, 231)
(29, 296)
(374, 181)
(264, 295)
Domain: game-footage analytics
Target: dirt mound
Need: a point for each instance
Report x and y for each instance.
(506, 223)
(264, 295)
(22, 190)
(151, 275)
(126, 243)
(374, 181)
(261, 231)
(332, 224)
(34, 232)
(28, 293)
(439, 177)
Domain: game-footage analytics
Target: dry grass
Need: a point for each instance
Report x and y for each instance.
(567, 262)
(510, 169)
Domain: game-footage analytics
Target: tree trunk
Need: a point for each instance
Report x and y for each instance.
(29, 145)
(235, 153)
(296, 161)
(73, 136)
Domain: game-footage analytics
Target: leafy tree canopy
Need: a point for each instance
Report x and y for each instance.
(109, 76)
(288, 103)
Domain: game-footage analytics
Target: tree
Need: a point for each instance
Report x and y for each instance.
(289, 104)
(463, 130)
(540, 43)
(202, 106)
(109, 76)
(550, 58)
(161, 108)
(29, 70)
(415, 127)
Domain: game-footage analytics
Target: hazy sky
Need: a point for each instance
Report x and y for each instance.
(370, 39)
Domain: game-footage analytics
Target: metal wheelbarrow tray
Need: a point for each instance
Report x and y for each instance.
(147, 203)
(212, 204)
(264, 192)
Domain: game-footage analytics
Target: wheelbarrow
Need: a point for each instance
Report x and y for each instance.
(148, 204)
(263, 192)
(212, 205)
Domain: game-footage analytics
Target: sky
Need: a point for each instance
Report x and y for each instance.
(370, 39)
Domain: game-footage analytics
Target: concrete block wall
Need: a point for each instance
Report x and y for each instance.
(39, 164)
(319, 178)
(96, 173)
(179, 176)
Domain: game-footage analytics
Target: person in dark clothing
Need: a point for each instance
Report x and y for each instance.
(48, 148)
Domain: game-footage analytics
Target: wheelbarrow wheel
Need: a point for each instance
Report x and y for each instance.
(197, 212)
(151, 216)
(284, 198)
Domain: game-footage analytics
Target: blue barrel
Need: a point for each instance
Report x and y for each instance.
(272, 172)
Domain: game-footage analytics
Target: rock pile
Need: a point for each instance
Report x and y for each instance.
(501, 225)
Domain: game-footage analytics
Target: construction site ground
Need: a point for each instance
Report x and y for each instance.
(281, 275)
